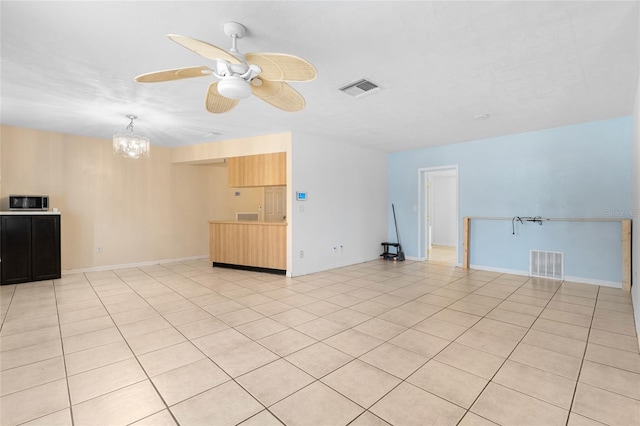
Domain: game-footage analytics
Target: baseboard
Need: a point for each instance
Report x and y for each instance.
(594, 282)
(422, 259)
(580, 280)
(131, 265)
(250, 268)
(501, 270)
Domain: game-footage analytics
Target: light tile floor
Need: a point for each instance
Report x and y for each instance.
(380, 342)
(445, 255)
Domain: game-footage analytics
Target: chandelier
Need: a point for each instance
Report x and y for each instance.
(129, 145)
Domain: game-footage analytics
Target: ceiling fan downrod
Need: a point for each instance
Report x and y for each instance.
(235, 31)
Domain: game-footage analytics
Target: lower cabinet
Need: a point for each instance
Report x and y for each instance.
(29, 248)
(252, 244)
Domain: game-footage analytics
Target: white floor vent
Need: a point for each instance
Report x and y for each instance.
(546, 264)
(243, 217)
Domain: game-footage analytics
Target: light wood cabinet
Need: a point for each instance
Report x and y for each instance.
(258, 170)
(254, 244)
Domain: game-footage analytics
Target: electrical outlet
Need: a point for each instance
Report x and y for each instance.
(335, 249)
(301, 254)
(98, 249)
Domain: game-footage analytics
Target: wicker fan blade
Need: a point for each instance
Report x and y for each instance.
(174, 74)
(204, 49)
(216, 103)
(282, 67)
(279, 94)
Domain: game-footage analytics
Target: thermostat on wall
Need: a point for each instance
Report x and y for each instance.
(301, 196)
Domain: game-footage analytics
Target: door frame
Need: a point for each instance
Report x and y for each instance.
(423, 175)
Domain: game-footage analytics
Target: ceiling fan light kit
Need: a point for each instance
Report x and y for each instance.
(234, 87)
(264, 75)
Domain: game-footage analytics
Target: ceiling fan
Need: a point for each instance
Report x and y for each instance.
(240, 75)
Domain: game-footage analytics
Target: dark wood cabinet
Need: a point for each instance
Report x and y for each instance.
(15, 249)
(29, 248)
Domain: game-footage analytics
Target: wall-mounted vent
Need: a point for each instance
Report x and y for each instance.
(360, 87)
(546, 264)
(247, 217)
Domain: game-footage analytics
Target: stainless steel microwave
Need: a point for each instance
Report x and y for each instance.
(28, 202)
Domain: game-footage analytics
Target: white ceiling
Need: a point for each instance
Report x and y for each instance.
(69, 67)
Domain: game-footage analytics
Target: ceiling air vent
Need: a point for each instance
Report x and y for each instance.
(360, 87)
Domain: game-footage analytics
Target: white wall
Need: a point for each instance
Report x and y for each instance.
(635, 237)
(346, 206)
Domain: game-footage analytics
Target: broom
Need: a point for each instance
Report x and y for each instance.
(400, 255)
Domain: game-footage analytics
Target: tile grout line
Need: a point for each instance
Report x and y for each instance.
(131, 349)
(367, 409)
(4, 317)
(205, 355)
(468, 410)
(484, 316)
(38, 343)
(234, 378)
(189, 340)
(319, 379)
(64, 359)
(177, 330)
(514, 348)
(586, 346)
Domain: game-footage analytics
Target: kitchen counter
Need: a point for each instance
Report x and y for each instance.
(251, 244)
(25, 212)
(249, 222)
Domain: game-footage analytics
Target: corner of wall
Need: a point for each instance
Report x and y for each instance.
(635, 228)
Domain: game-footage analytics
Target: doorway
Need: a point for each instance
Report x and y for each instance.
(438, 214)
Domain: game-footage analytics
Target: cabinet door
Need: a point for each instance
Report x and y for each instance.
(274, 169)
(258, 170)
(45, 247)
(15, 249)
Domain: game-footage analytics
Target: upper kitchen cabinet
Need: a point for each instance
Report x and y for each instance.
(258, 170)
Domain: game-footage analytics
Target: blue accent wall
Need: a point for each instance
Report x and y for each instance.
(579, 171)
